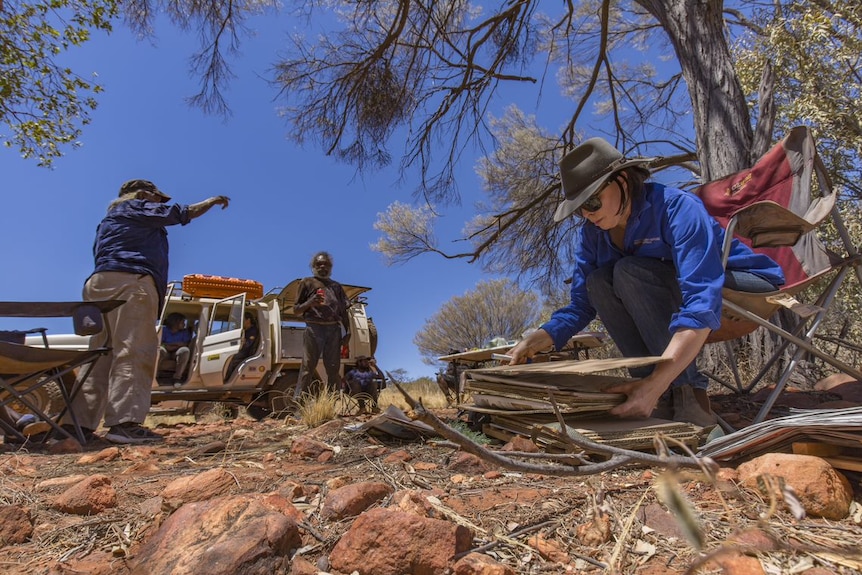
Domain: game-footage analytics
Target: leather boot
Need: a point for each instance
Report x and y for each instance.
(664, 408)
(688, 407)
(702, 398)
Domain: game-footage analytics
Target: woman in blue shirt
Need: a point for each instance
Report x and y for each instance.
(648, 262)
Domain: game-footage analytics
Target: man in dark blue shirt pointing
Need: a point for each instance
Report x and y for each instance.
(131, 256)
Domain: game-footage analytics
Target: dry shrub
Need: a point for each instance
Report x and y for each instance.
(319, 406)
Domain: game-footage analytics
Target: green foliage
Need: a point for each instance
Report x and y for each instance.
(815, 49)
(474, 436)
(43, 103)
(495, 308)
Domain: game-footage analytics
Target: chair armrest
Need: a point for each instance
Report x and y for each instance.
(767, 224)
(53, 308)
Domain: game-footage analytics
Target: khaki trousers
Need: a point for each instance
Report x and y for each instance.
(118, 388)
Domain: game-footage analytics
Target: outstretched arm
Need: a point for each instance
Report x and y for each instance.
(200, 208)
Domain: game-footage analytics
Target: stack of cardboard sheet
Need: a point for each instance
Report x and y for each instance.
(836, 433)
(638, 435)
(521, 400)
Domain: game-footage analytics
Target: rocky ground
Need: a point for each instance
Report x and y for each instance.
(242, 497)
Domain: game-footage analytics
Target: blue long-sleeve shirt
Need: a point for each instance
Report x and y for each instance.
(132, 238)
(671, 225)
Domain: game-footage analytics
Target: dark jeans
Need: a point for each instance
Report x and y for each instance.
(320, 341)
(635, 300)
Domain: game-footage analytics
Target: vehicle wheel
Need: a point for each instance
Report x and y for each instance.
(48, 398)
(257, 411)
(280, 395)
(372, 336)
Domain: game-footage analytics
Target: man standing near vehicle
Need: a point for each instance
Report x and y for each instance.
(131, 257)
(324, 308)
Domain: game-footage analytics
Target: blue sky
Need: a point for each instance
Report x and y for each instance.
(287, 202)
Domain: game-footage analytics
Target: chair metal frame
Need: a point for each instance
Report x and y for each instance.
(27, 368)
(788, 233)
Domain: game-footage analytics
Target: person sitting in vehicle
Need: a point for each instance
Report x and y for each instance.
(176, 345)
(250, 337)
(363, 382)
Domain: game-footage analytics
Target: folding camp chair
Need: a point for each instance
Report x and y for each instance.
(25, 369)
(774, 208)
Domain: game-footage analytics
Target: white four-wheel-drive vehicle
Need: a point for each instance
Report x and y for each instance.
(264, 381)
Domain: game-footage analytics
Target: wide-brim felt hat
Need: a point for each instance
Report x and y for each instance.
(587, 168)
(143, 186)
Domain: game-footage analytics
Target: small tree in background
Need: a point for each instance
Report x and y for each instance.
(495, 308)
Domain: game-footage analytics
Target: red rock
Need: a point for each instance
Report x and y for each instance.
(733, 563)
(548, 549)
(222, 536)
(754, 540)
(821, 490)
(834, 380)
(308, 448)
(108, 454)
(206, 485)
(468, 464)
(16, 525)
(353, 499)
(412, 501)
(479, 564)
(278, 502)
(399, 456)
(88, 497)
(424, 546)
(521, 444)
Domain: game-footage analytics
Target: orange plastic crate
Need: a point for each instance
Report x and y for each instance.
(200, 285)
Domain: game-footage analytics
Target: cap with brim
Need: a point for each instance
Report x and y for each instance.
(587, 168)
(143, 186)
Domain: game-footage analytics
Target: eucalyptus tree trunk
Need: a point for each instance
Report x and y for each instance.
(723, 126)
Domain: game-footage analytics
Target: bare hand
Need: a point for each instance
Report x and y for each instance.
(530, 346)
(222, 201)
(642, 398)
(314, 301)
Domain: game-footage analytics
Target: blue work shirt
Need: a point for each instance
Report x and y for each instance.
(183, 336)
(363, 377)
(670, 225)
(132, 238)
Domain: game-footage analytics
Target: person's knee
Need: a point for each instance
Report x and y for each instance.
(600, 279)
(632, 274)
(628, 271)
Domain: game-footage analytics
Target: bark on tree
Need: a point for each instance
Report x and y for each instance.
(696, 30)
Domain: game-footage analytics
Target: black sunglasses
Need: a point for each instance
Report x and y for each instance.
(594, 202)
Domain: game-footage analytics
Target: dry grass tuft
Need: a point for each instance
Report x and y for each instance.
(423, 390)
(318, 407)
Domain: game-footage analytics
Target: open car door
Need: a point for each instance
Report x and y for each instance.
(222, 340)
